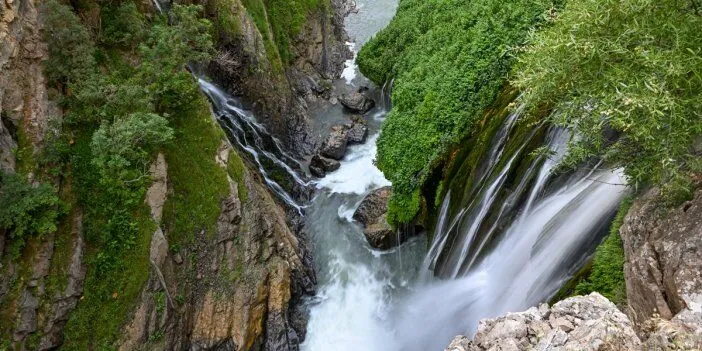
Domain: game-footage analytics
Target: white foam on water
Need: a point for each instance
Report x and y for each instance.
(350, 67)
(352, 314)
(357, 173)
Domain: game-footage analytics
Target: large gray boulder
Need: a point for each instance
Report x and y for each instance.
(578, 323)
(373, 206)
(335, 145)
(371, 213)
(357, 102)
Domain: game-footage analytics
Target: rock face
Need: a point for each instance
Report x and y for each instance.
(357, 102)
(280, 98)
(237, 286)
(24, 103)
(663, 248)
(578, 323)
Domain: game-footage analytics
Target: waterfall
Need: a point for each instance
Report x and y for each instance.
(250, 136)
(509, 240)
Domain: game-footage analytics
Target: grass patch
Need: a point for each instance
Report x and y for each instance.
(198, 182)
(236, 169)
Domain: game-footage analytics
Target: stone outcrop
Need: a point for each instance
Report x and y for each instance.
(24, 103)
(280, 98)
(371, 214)
(663, 249)
(335, 146)
(578, 323)
(236, 286)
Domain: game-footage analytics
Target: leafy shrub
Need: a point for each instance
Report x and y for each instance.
(26, 210)
(121, 148)
(71, 48)
(166, 52)
(627, 77)
(448, 59)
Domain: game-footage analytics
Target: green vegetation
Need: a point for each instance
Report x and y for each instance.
(607, 272)
(198, 182)
(280, 21)
(449, 60)
(236, 168)
(26, 210)
(126, 94)
(627, 77)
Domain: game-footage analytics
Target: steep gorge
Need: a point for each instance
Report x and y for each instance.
(231, 284)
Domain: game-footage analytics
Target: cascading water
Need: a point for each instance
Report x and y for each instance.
(251, 137)
(507, 236)
(550, 225)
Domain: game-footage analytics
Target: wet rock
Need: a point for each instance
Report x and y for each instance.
(357, 130)
(357, 102)
(320, 165)
(380, 235)
(594, 323)
(335, 145)
(373, 206)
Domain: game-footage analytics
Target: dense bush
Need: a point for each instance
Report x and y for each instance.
(121, 148)
(26, 210)
(449, 59)
(626, 75)
(71, 47)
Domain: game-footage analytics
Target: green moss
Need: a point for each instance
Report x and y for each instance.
(449, 60)
(198, 182)
(26, 161)
(607, 274)
(225, 14)
(236, 169)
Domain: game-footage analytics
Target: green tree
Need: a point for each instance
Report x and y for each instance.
(166, 52)
(71, 48)
(121, 148)
(626, 76)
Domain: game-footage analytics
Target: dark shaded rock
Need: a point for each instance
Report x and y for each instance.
(357, 130)
(320, 165)
(335, 145)
(357, 102)
(380, 235)
(373, 206)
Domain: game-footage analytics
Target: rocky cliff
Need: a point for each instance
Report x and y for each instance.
(280, 90)
(232, 286)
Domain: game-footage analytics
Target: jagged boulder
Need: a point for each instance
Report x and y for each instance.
(371, 213)
(357, 130)
(357, 102)
(320, 165)
(335, 145)
(373, 206)
(578, 323)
